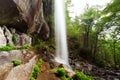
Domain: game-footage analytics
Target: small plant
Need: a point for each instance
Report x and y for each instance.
(32, 78)
(61, 72)
(16, 62)
(36, 70)
(41, 43)
(26, 47)
(40, 62)
(82, 76)
(8, 47)
(14, 38)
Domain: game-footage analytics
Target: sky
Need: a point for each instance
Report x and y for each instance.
(79, 5)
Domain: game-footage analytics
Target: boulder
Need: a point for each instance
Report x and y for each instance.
(22, 72)
(5, 69)
(21, 55)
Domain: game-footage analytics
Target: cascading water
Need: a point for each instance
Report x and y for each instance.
(60, 33)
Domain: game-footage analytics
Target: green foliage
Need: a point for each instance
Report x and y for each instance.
(16, 62)
(8, 48)
(89, 31)
(26, 47)
(41, 43)
(40, 62)
(61, 72)
(14, 38)
(36, 70)
(82, 76)
(32, 78)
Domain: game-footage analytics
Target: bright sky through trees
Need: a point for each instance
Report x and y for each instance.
(79, 5)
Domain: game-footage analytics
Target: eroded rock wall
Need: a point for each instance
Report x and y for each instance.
(28, 16)
(9, 36)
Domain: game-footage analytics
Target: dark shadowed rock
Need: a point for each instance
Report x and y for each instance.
(24, 15)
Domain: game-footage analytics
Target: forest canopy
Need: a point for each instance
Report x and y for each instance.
(96, 33)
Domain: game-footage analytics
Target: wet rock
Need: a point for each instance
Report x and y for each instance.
(45, 67)
(48, 76)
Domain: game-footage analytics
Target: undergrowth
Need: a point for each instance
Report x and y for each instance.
(16, 63)
(36, 70)
(62, 73)
(9, 47)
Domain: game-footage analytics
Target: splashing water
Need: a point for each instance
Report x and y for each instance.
(60, 33)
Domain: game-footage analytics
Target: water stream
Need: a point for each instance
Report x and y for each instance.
(60, 33)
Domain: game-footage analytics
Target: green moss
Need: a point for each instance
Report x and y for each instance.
(61, 72)
(40, 62)
(8, 48)
(16, 62)
(32, 78)
(82, 76)
(36, 70)
(26, 47)
(41, 43)
(14, 38)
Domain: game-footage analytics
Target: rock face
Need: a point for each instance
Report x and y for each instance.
(21, 72)
(2, 38)
(11, 36)
(24, 15)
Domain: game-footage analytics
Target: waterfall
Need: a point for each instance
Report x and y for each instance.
(60, 33)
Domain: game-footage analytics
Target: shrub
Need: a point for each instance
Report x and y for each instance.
(16, 62)
(61, 72)
(40, 62)
(82, 76)
(14, 38)
(36, 71)
(8, 47)
(32, 78)
(41, 43)
(26, 47)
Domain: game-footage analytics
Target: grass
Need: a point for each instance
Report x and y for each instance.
(12, 47)
(8, 48)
